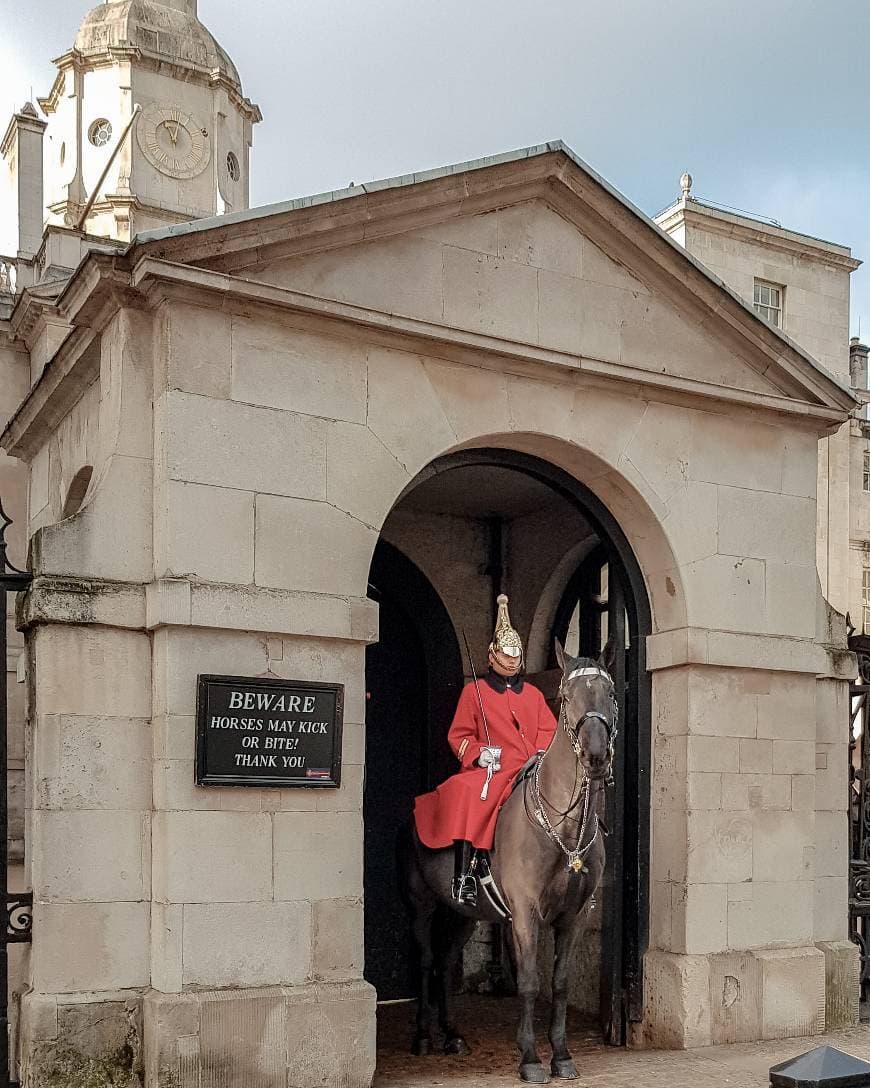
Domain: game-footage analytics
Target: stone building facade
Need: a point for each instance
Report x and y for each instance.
(802, 285)
(859, 492)
(216, 426)
(807, 282)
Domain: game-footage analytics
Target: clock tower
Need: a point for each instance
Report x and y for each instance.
(149, 99)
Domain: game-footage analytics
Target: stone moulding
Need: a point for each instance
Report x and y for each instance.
(78, 600)
(733, 649)
(159, 279)
(177, 602)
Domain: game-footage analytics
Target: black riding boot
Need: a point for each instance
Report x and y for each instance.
(464, 882)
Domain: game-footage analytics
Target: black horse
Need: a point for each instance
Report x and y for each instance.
(547, 861)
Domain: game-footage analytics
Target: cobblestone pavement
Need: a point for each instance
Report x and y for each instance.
(489, 1026)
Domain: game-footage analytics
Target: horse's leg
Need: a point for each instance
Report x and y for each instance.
(525, 938)
(424, 912)
(565, 937)
(457, 932)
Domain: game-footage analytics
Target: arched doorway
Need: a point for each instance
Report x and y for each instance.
(482, 521)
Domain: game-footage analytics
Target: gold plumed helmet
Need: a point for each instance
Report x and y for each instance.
(505, 639)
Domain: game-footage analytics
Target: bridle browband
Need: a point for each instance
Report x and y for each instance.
(576, 855)
(610, 724)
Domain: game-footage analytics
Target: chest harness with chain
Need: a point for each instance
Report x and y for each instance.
(588, 829)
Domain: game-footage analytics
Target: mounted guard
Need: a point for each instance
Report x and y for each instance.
(501, 722)
(547, 855)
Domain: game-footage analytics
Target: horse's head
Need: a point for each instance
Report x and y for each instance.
(589, 710)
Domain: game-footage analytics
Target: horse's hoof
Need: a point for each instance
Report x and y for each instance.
(564, 1069)
(457, 1047)
(534, 1073)
(421, 1046)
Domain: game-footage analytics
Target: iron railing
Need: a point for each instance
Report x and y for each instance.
(19, 908)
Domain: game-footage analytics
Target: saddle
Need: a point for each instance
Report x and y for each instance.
(526, 771)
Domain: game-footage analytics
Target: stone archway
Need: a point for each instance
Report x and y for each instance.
(625, 906)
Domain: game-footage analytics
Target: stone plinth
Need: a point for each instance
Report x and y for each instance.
(306, 1036)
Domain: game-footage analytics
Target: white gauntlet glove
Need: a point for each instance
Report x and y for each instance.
(490, 758)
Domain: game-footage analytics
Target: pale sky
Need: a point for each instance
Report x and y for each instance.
(765, 102)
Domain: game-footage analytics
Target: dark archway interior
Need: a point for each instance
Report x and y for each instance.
(413, 679)
(471, 526)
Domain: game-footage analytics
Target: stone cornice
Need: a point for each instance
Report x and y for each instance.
(31, 314)
(21, 120)
(177, 602)
(74, 367)
(735, 650)
(162, 279)
(732, 225)
(114, 55)
(247, 240)
(71, 59)
(146, 272)
(96, 292)
(102, 284)
(57, 599)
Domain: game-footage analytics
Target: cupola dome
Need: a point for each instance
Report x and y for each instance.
(168, 30)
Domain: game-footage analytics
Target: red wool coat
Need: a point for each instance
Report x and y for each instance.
(521, 723)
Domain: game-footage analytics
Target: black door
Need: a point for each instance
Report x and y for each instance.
(413, 680)
(395, 772)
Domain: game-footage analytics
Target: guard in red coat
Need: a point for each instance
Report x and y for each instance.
(500, 723)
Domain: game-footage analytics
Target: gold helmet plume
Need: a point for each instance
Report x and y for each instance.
(505, 638)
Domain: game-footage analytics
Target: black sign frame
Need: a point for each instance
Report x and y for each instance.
(205, 683)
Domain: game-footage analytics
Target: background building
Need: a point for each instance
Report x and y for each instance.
(801, 285)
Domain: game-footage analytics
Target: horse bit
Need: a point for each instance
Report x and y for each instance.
(577, 855)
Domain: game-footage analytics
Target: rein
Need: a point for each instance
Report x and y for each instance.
(576, 854)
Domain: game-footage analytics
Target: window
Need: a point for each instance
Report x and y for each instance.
(233, 168)
(865, 596)
(767, 298)
(867, 470)
(100, 132)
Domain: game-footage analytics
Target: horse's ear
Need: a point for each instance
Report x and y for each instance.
(560, 655)
(608, 655)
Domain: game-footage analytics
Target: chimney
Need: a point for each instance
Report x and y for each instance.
(21, 149)
(858, 353)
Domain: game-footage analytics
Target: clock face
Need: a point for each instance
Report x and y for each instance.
(173, 141)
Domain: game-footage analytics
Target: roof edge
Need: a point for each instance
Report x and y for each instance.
(535, 151)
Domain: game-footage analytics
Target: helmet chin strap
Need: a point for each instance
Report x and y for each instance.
(497, 663)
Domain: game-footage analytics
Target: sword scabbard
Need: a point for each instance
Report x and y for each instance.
(477, 689)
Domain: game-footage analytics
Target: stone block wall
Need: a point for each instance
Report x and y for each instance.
(249, 448)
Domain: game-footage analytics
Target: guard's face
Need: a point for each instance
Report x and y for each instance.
(504, 665)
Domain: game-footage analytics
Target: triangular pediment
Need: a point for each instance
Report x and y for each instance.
(534, 250)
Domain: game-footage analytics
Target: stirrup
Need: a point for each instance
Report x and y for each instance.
(465, 890)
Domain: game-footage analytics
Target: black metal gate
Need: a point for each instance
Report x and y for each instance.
(859, 810)
(19, 908)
